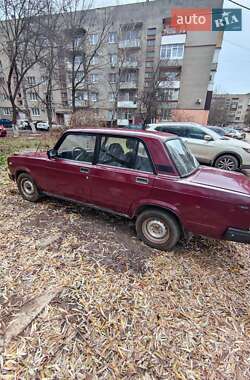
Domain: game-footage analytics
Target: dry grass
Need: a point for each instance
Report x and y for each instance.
(126, 311)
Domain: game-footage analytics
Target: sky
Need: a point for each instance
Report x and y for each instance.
(233, 74)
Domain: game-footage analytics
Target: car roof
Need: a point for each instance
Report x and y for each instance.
(174, 123)
(126, 132)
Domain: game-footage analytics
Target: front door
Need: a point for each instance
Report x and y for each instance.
(195, 139)
(123, 174)
(67, 175)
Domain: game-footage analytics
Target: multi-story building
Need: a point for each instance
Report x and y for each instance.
(234, 108)
(141, 33)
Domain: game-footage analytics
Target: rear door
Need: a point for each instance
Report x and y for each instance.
(123, 174)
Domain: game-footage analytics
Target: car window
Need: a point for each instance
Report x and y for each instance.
(124, 152)
(177, 129)
(185, 162)
(77, 147)
(195, 133)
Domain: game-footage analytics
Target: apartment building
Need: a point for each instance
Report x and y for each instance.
(235, 108)
(141, 33)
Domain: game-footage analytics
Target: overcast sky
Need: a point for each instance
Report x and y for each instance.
(233, 73)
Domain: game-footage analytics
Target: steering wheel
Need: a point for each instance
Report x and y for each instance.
(77, 152)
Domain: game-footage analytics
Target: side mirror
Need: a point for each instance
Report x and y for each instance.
(208, 138)
(52, 153)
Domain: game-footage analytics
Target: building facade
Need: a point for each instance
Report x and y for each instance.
(141, 34)
(235, 108)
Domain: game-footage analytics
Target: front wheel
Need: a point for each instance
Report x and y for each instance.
(27, 187)
(227, 162)
(158, 229)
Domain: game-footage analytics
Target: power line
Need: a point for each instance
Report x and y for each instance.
(240, 5)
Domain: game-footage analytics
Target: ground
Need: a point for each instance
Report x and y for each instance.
(124, 310)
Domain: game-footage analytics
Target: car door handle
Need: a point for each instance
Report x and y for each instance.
(141, 180)
(84, 170)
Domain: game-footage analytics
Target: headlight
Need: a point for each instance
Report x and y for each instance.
(247, 150)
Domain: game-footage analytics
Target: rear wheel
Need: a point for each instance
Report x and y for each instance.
(27, 187)
(158, 229)
(227, 162)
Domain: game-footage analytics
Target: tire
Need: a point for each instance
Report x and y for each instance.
(227, 162)
(28, 188)
(158, 229)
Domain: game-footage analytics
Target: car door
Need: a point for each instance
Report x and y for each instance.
(67, 175)
(202, 149)
(123, 174)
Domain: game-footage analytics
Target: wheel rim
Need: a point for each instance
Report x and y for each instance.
(155, 230)
(27, 186)
(226, 163)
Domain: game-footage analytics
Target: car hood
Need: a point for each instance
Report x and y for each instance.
(222, 179)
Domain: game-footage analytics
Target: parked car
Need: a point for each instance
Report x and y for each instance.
(24, 125)
(246, 129)
(234, 133)
(151, 178)
(209, 147)
(6, 123)
(218, 130)
(3, 132)
(42, 125)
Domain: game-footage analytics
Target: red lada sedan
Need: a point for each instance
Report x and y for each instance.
(149, 177)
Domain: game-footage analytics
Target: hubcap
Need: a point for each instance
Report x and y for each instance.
(155, 230)
(27, 186)
(226, 163)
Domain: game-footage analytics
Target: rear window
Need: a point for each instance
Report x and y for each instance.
(184, 161)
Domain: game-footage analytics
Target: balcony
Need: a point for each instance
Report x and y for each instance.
(126, 104)
(130, 65)
(170, 84)
(130, 44)
(128, 85)
(122, 122)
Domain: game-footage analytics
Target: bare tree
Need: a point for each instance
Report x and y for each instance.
(217, 113)
(158, 90)
(83, 44)
(21, 43)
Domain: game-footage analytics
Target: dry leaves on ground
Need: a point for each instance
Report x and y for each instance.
(126, 311)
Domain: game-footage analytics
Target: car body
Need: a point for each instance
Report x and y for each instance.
(42, 125)
(218, 130)
(24, 125)
(6, 123)
(234, 133)
(151, 178)
(246, 129)
(208, 146)
(3, 131)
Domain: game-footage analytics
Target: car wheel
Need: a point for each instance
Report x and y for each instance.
(158, 229)
(227, 162)
(27, 187)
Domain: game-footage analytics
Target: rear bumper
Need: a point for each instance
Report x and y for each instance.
(240, 236)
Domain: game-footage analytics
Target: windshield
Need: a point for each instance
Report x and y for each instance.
(184, 161)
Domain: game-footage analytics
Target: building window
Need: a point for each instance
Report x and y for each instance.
(148, 75)
(130, 35)
(33, 96)
(112, 37)
(35, 111)
(94, 96)
(93, 78)
(111, 97)
(151, 32)
(175, 51)
(5, 111)
(31, 80)
(150, 42)
(82, 95)
(95, 60)
(93, 39)
(150, 54)
(79, 76)
(3, 97)
(113, 59)
(112, 78)
(237, 118)
(78, 60)
(149, 64)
